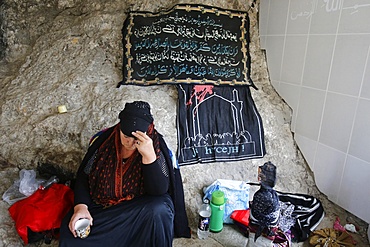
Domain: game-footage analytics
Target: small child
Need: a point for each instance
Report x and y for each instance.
(265, 207)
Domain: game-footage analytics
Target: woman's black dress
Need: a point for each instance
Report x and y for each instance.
(147, 220)
(143, 221)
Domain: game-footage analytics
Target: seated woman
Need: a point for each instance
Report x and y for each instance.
(125, 186)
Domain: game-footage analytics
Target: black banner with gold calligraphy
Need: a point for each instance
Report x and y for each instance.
(189, 43)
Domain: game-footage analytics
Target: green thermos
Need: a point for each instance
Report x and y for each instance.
(217, 211)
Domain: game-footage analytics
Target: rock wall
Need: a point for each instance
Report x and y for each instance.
(68, 52)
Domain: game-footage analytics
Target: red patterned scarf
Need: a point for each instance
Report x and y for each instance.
(113, 180)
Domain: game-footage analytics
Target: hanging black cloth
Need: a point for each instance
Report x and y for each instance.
(218, 123)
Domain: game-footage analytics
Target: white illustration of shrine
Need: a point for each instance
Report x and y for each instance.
(232, 140)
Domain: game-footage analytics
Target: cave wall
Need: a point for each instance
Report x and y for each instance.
(70, 53)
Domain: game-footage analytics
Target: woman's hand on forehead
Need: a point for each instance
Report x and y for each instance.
(144, 145)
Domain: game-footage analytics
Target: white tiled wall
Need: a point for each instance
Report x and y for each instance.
(318, 55)
(309, 114)
(318, 61)
(348, 63)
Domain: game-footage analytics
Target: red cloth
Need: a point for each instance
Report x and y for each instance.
(42, 211)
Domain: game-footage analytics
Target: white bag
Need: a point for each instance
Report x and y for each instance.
(23, 187)
(236, 194)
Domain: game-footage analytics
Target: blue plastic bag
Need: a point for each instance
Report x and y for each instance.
(236, 194)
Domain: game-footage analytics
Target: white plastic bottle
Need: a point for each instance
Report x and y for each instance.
(204, 217)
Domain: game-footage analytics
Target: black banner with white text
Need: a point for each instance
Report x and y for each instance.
(218, 123)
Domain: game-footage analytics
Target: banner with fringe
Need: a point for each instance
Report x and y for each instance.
(189, 43)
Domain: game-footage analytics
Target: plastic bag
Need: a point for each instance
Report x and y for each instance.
(236, 194)
(12, 194)
(28, 182)
(23, 187)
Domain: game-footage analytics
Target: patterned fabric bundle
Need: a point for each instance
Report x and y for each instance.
(308, 213)
(329, 237)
